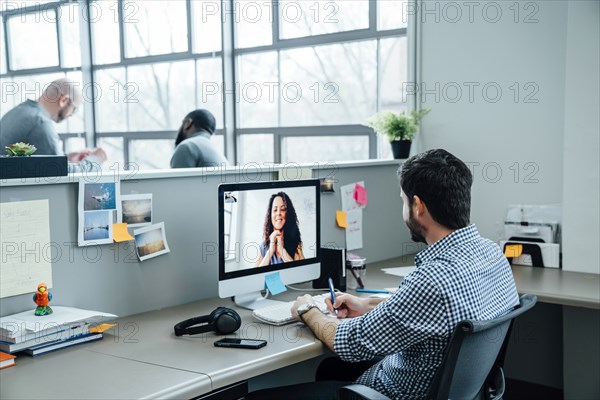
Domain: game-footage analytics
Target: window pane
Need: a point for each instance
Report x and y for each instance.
(21, 88)
(210, 87)
(69, 25)
(393, 74)
(113, 146)
(111, 99)
(206, 25)
(392, 14)
(2, 48)
(38, 30)
(253, 23)
(385, 148)
(324, 148)
(328, 85)
(162, 98)
(74, 144)
(154, 27)
(258, 90)
(257, 149)
(317, 17)
(105, 32)
(151, 154)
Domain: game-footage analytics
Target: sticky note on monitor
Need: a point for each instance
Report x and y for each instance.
(274, 283)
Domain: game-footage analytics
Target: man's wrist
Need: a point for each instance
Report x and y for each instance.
(305, 309)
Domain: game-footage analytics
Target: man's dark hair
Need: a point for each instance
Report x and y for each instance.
(203, 119)
(443, 182)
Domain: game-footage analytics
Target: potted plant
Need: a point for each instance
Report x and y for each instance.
(398, 128)
(21, 163)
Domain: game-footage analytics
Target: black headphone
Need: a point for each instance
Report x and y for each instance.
(222, 320)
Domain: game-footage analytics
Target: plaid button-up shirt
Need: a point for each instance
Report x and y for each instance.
(462, 276)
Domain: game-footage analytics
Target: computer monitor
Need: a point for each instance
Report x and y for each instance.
(267, 228)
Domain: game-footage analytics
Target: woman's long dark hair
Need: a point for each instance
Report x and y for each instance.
(291, 231)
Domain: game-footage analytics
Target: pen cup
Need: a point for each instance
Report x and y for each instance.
(355, 276)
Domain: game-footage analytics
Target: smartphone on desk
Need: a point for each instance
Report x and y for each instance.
(241, 343)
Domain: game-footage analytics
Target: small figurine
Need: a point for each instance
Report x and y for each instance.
(42, 297)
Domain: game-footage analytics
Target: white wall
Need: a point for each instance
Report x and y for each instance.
(581, 168)
(513, 140)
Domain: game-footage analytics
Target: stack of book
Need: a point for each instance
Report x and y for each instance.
(36, 335)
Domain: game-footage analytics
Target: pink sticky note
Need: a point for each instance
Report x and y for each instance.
(360, 195)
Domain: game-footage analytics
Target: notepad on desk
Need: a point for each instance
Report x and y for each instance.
(399, 271)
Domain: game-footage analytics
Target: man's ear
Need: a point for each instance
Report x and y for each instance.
(187, 124)
(63, 100)
(419, 207)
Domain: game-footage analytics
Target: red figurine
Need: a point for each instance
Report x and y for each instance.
(42, 297)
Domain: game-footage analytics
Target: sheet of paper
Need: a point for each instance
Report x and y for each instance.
(399, 271)
(347, 195)
(360, 195)
(340, 218)
(354, 231)
(274, 283)
(26, 247)
(120, 233)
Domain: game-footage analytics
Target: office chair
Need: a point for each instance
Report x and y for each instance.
(472, 364)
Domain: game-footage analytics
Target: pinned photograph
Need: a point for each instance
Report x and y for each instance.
(136, 209)
(97, 204)
(97, 228)
(150, 241)
(99, 196)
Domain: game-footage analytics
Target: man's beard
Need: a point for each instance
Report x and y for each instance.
(61, 115)
(417, 232)
(180, 136)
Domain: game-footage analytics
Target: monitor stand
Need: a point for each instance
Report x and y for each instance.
(253, 300)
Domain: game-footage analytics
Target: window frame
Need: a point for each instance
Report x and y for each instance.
(229, 55)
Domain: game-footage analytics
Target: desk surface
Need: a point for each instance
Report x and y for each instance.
(142, 358)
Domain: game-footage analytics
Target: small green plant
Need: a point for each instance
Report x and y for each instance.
(20, 149)
(396, 126)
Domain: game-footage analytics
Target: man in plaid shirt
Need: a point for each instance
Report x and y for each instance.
(459, 276)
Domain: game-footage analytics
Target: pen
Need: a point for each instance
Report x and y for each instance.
(371, 291)
(332, 293)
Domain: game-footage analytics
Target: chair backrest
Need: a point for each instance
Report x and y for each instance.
(475, 350)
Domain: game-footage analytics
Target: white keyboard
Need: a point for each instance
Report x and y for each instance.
(280, 314)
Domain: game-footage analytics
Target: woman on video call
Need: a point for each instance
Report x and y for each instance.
(281, 235)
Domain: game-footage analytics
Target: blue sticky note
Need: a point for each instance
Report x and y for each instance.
(274, 284)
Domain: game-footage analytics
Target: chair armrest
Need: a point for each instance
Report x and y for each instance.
(355, 391)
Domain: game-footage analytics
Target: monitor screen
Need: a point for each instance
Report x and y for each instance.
(265, 228)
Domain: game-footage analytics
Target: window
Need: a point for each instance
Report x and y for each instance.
(299, 76)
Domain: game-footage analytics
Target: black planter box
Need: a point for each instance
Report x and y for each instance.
(32, 167)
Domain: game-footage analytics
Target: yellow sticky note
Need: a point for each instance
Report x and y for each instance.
(513, 250)
(120, 233)
(340, 217)
(101, 328)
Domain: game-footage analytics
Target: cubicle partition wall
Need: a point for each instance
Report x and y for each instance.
(111, 278)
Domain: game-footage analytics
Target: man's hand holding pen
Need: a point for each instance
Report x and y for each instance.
(349, 306)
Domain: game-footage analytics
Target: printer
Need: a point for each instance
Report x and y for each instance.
(532, 235)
